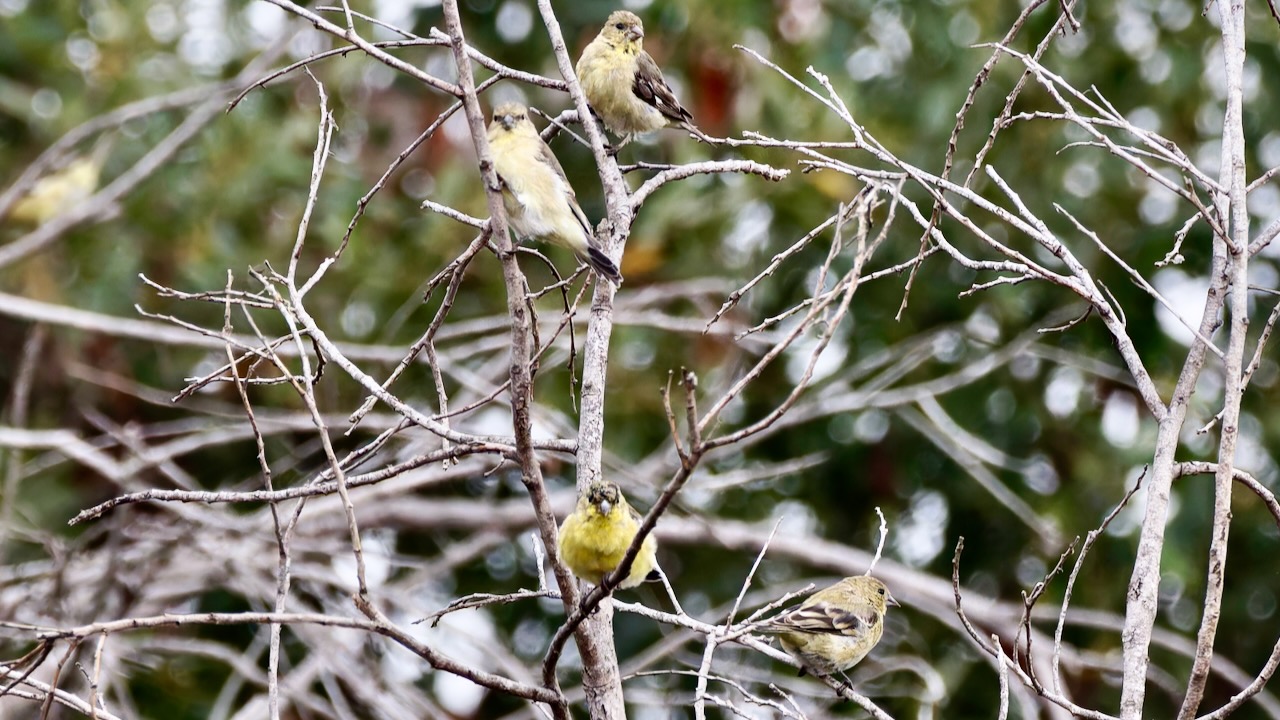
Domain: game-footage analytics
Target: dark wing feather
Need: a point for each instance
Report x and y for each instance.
(653, 89)
(595, 256)
(549, 158)
(823, 618)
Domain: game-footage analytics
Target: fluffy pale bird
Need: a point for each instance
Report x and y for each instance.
(833, 629)
(540, 202)
(625, 86)
(596, 535)
(57, 193)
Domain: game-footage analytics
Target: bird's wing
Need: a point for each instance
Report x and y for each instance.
(825, 618)
(550, 160)
(653, 89)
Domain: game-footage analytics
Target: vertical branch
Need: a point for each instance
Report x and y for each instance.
(518, 308)
(284, 561)
(1140, 607)
(601, 678)
(616, 228)
(1237, 244)
(19, 408)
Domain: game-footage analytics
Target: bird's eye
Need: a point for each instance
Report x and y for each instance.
(619, 26)
(881, 591)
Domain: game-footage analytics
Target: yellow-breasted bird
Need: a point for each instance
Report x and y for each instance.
(539, 200)
(595, 536)
(833, 629)
(625, 86)
(59, 191)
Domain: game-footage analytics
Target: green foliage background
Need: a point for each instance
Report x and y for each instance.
(232, 197)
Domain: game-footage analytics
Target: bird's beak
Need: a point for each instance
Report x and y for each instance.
(891, 600)
(634, 33)
(507, 121)
(604, 507)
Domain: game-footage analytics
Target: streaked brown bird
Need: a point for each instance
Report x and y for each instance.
(834, 628)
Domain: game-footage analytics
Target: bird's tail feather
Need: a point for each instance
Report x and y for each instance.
(697, 133)
(603, 265)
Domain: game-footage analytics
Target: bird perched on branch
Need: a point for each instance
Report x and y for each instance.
(62, 189)
(625, 86)
(538, 198)
(836, 627)
(596, 535)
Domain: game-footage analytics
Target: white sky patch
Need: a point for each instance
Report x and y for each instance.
(1081, 178)
(866, 63)
(83, 52)
(1269, 150)
(982, 326)
(1158, 205)
(1130, 517)
(798, 519)
(1146, 118)
(205, 45)
(1134, 31)
(490, 421)
(1251, 79)
(1030, 570)
(162, 21)
(890, 34)
(963, 29)
(46, 103)
(1176, 15)
(264, 22)
(948, 346)
(1073, 44)
(514, 21)
(749, 233)
(1208, 155)
(755, 39)
(918, 537)
(1041, 476)
(1001, 406)
(1264, 203)
(378, 545)
(1157, 68)
(1120, 420)
(1251, 451)
(358, 319)
(1262, 274)
(1186, 295)
(464, 634)
(871, 426)
(1214, 77)
(1025, 366)
(1062, 394)
(833, 357)
(456, 129)
(637, 353)
(530, 638)
(398, 13)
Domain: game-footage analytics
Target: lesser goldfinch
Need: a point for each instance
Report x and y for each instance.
(57, 192)
(595, 536)
(539, 200)
(624, 85)
(833, 629)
